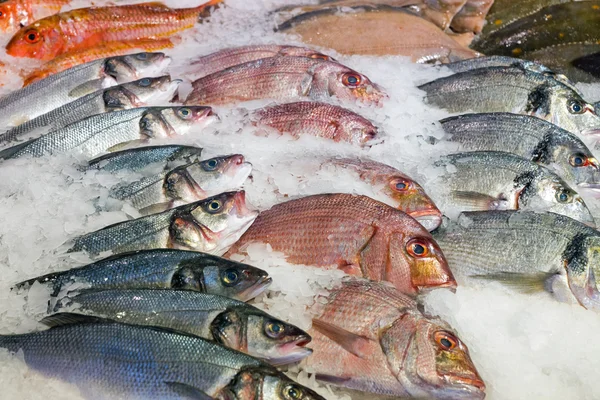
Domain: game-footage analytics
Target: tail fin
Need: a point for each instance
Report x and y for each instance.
(206, 9)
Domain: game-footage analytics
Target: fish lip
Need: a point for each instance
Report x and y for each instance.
(470, 384)
(591, 132)
(296, 355)
(257, 288)
(429, 218)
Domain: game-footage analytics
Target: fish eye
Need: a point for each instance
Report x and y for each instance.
(1, 14)
(215, 206)
(418, 248)
(32, 36)
(230, 277)
(292, 392)
(184, 112)
(563, 196)
(578, 160)
(142, 56)
(576, 107)
(400, 185)
(351, 79)
(210, 165)
(274, 329)
(145, 82)
(445, 340)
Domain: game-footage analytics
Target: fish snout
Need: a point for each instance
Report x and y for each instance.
(429, 268)
(474, 383)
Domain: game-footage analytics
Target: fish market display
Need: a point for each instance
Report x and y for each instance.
(284, 78)
(210, 225)
(139, 158)
(143, 92)
(96, 134)
(491, 180)
(528, 137)
(65, 87)
(515, 90)
(15, 14)
(161, 269)
(318, 119)
(526, 250)
(86, 27)
(185, 184)
(229, 322)
(356, 234)
(163, 365)
(370, 337)
(377, 31)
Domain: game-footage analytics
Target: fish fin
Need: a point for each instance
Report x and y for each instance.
(62, 319)
(351, 342)
(476, 201)
(11, 151)
(156, 208)
(188, 392)
(334, 380)
(86, 88)
(524, 283)
(205, 9)
(126, 145)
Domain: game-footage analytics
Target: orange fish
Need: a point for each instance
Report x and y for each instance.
(111, 49)
(15, 14)
(89, 27)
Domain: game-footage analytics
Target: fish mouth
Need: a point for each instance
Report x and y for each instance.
(257, 288)
(470, 384)
(430, 219)
(591, 132)
(292, 352)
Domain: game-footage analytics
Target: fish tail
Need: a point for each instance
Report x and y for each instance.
(205, 9)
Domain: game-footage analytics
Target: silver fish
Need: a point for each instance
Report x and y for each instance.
(139, 158)
(526, 250)
(143, 92)
(59, 89)
(493, 180)
(229, 322)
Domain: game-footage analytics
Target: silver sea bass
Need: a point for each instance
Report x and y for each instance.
(59, 89)
(140, 158)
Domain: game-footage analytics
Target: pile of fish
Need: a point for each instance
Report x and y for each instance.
(164, 311)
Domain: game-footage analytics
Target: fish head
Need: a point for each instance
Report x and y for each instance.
(417, 262)
(429, 359)
(264, 383)
(360, 130)
(412, 199)
(145, 91)
(296, 51)
(582, 263)
(42, 40)
(13, 15)
(135, 66)
(206, 178)
(333, 79)
(260, 335)
(573, 113)
(166, 122)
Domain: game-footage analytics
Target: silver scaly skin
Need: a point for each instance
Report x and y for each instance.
(139, 158)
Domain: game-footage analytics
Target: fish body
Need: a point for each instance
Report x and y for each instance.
(15, 14)
(356, 234)
(372, 338)
(528, 137)
(229, 322)
(140, 158)
(527, 250)
(229, 57)
(67, 86)
(318, 119)
(161, 269)
(505, 12)
(84, 28)
(143, 92)
(210, 226)
(579, 61)
(284, 78)
(516, 90)
(377, 31)
(492, 180)
(101, 360)
(185, 184)
(104, 50)
(401, 191)
(96, 134)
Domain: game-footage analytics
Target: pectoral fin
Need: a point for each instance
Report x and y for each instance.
(156, 208)
(479, 201)
(524, 283)
(351, 342)
(126, 145)
(188, 392)
(86, 88)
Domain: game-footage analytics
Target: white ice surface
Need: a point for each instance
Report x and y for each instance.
(526, 347)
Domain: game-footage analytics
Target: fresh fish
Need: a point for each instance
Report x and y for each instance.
(210, 226)
(505, 12)
(185, 184)
(318, 119)
(229, 322)
(161, 269)
(140, 158)
(233, 56)
(96, 134)
(108, 360)
(84, 28)
(401, 191)
(15, 14)
(528, 137)
(356, 234)
(550, 26)
(104, 50)
(377, 31)
(579, 61)
(65, 87)
(527, 250)
(516, 90)
(284, 78)
(494, 180)
(471, 16)
(143, 92)
(372, 338)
